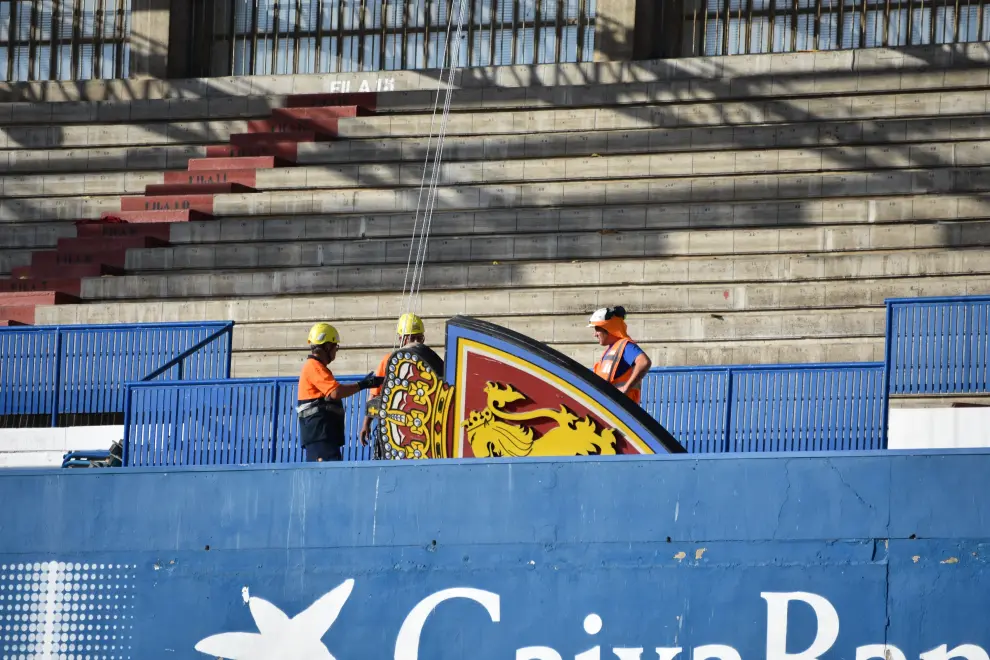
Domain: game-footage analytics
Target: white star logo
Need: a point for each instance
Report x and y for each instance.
(278, 636)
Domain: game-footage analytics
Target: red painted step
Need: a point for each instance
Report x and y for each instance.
(238, 163)
(63, 285)
(321, 112)
(320, 120)
(158, 230)
(365, 100)
(39, 271)
(32, 298)
(19, 313)
(253, 140)
(171, 189)
(56, 258)
(287, 127)
(10, 323)
(96, 245)
(244, 177)
(157, 217)
(282, 150)
(201, 203)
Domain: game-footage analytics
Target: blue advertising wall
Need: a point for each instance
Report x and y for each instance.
(752, 556)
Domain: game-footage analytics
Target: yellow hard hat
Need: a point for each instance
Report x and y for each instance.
(323, 333)
(410, 324)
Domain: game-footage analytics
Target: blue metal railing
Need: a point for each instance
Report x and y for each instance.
(938, 345)
(223, 422)
(81, 369)
(800, 407)
(709, 409)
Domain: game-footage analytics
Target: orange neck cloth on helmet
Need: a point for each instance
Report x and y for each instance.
(614, 326)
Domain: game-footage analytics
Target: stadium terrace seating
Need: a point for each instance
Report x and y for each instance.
(741, 216)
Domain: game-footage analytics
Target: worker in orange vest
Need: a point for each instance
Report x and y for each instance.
(410, 330)
(624, 364)
(320, 400)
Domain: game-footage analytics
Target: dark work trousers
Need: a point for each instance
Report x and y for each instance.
(322, 436)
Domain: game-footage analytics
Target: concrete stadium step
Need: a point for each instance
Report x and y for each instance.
(43, 271)
(652, 140)
(140, 110)
(666, 115)
(503, 145)
(556, 245)
(761, 161)
(615, 272)
(375, 175)
(40, 234)
(61, 185)
(361, 361)
(711, 215)
(98, 159)
(116, 135)
(194, 189)
(238, 163)
(828, 107)
(667, 328)
(682, 165)
(618, 191)
(236, 103)
(531, 301)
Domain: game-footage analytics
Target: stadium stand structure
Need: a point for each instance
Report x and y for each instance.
(754, 209)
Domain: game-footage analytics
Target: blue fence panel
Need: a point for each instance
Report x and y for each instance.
(56, 370)
(224, 422)
(806, 408)
(28, 371)
(691, 403)
(201, 423)
(938, 345)
(708, 409)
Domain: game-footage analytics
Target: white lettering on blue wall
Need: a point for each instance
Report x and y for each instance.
(282, 638)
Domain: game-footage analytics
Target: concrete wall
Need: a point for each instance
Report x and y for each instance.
(734, 557)
(938, 428)
(45, 447)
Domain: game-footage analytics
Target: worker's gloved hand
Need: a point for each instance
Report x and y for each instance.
(369, 381)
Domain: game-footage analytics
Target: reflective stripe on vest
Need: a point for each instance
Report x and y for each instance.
(609, 364)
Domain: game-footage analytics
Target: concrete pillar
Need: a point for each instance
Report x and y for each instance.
(615, 25)
(150, 38)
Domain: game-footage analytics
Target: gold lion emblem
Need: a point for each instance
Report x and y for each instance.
(491, 433)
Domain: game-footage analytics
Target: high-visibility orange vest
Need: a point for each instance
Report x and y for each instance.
(609, 364)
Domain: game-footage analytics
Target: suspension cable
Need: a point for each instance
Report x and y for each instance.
(423, 218)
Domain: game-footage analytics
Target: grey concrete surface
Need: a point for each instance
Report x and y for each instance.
(679, 270)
